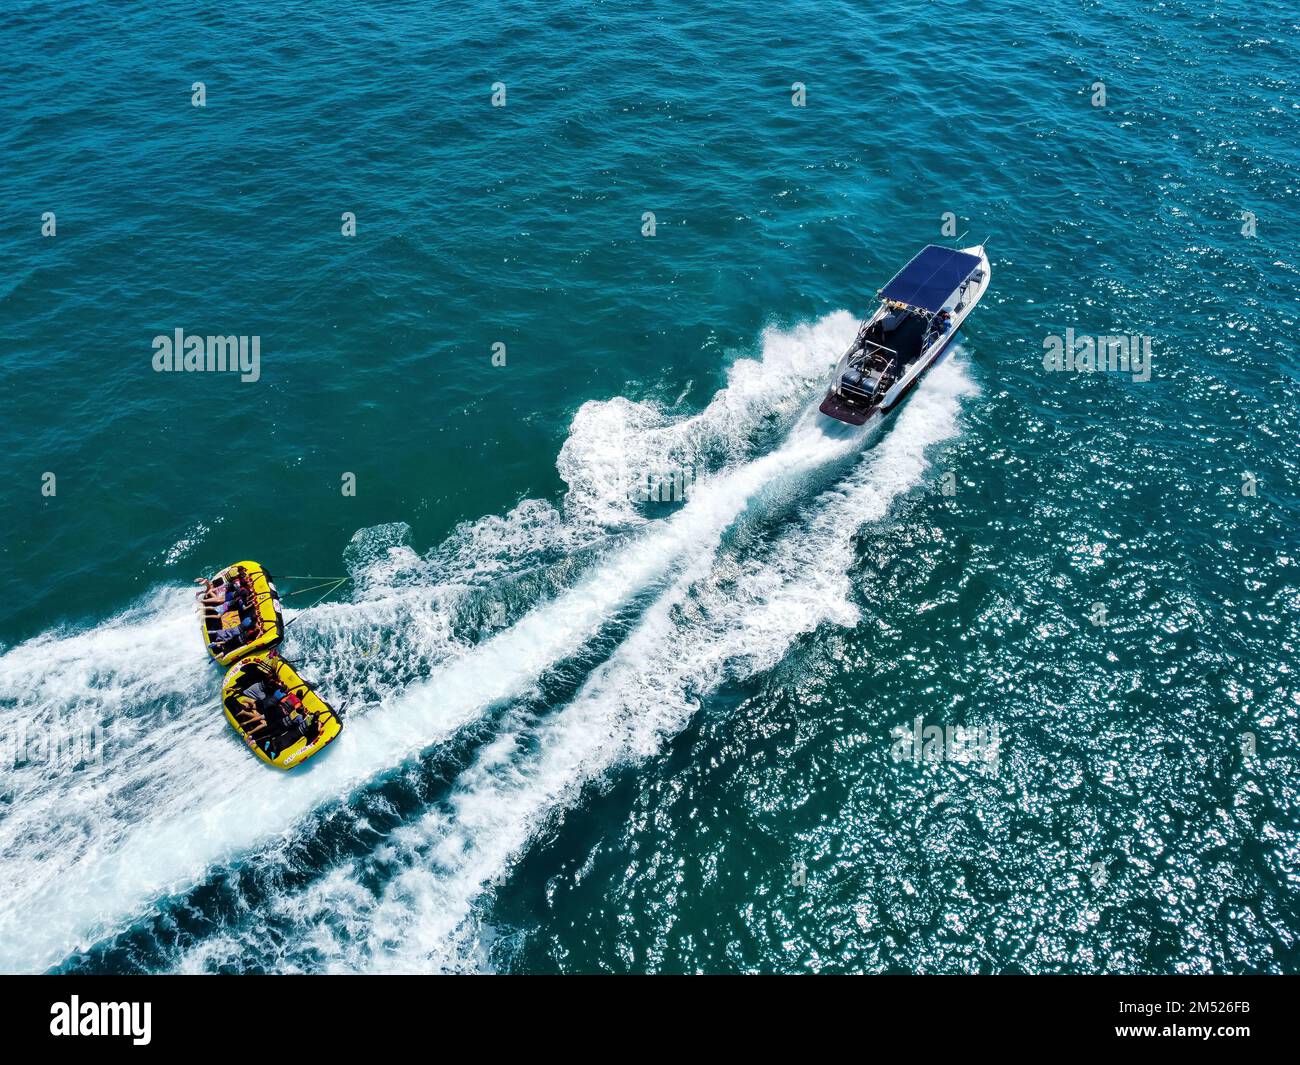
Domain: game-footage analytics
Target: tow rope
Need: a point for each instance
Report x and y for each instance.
(331, 585)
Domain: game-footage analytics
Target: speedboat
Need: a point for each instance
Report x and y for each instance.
(920, 311)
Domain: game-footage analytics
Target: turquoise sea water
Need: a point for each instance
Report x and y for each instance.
(587, 733)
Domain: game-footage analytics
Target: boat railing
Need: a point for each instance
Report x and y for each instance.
(866, 354)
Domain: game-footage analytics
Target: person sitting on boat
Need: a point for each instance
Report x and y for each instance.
(234, 635)
(253, 724)
(259, 711)
(210, 589)
(216, 593)
(245, 706)
(233, 597)
(246, 714)
(940, 324)
(304, 725)
(256, 692)
(275, 704)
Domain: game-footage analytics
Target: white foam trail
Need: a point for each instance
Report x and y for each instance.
(86, 852)
(614, 439)
(718, 617)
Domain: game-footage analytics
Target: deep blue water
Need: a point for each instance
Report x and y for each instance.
(588, 734)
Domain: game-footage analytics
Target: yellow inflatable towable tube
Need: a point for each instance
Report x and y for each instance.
(276, 712)
(250, 618)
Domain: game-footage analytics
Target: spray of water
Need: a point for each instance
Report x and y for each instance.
(723, 614)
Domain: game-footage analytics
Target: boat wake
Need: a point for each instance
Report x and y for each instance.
(655, 611)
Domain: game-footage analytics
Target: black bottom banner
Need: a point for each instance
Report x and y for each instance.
(303, 1014)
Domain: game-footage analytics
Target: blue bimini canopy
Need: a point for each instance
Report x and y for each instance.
(930, 278)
